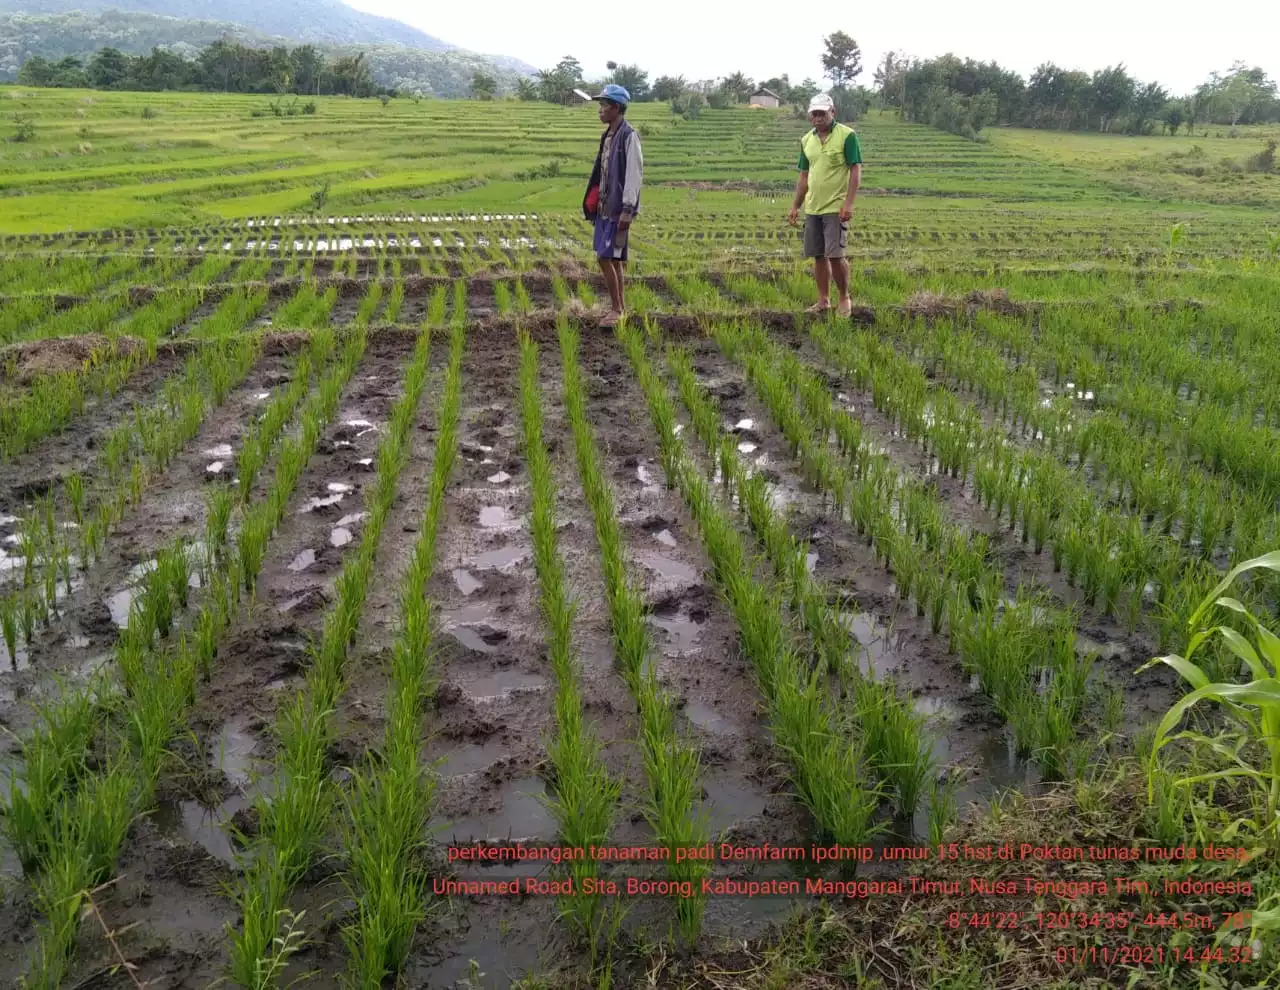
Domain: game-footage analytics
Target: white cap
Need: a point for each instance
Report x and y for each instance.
(822, 101)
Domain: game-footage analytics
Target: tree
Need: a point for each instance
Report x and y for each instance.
(669, 87)
(558, 84)
(1173, 115)
(1112, 91)
(802, 93)
(890, 76)
(526, 89)
(842, 59)
(737, 87)
(483, 86)
(631, 78)
(107, 69)
(1147, 104)
(36, 71)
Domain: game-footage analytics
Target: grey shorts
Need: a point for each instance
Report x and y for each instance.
(825, 235)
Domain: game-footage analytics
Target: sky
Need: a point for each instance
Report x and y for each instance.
(1174, 42)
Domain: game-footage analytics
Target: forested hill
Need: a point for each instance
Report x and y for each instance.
(317, 21)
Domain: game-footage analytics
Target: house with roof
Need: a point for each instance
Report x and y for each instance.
(764, 98)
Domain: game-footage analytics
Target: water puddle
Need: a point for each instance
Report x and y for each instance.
(746, 447)
(466, 583)
(670, 570)
(339, 487)
(120, 605)
(811, 561)
(521, 814)
(665, 538)
(340, 536)
(681, 631)
(471, 639)
(743, 424)
(19, 660)
(728, 801)
(322, 503)
(499, 684)
(878, 654)
(470, 757)
(500, 559)
(216, 467)
(365, 462)
(1105, 651)
(645, 477)
(223, 450)
(354, 519)
(705, 717)
(501, 478)
(303, 561)
(498, 517)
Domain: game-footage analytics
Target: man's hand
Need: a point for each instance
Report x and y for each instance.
(846, 210)
(793, 216)
(624, 221)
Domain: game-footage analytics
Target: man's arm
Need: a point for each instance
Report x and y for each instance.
(632, 180)
(802, 188)
(855, 180)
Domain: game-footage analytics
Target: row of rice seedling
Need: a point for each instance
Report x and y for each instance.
(1154, 478)
(93, 764)
(294, 819)
(1013, 648)
(586, 796)
(671, 759)
(388, 801)
(308, 308)
(827, 768)
(1111, 554)
(54, 400)
(898, 749)
(134, 454)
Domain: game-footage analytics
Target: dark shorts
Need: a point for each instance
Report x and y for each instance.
(825, 235)
(609, 243)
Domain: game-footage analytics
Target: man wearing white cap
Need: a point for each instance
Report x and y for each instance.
(830, 173)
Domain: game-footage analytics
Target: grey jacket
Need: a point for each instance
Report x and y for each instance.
(625, 174)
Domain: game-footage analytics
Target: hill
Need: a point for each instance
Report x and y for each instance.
(441, 72)
(318, 21)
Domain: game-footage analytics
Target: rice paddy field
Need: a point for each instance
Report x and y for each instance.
(350, 575)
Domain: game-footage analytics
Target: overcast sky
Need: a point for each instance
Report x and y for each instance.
(1176, 42)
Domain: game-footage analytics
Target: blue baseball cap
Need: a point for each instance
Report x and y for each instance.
(615, 93)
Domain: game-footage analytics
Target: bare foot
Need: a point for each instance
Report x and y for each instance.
(610, 320)
(820, 307)
(846, 307)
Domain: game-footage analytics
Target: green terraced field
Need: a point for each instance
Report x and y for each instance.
(340, 550)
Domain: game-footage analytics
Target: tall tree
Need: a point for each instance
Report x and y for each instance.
(1113, 90)
(890, 76)
(483, 86)
(669, 87)
(842, 58)
(633, 79)
(737, 87)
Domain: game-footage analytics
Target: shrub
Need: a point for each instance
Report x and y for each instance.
(149, 114)
(1264, 160)
(26, 128)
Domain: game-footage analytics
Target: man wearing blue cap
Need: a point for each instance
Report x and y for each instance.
(613, 193)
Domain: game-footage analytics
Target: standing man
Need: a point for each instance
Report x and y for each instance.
(830, 173)
(613, 193)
